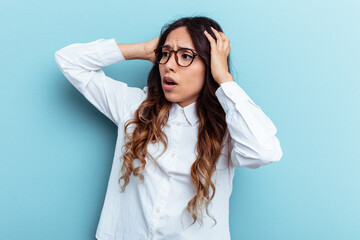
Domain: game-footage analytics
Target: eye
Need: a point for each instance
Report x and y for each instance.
(186, 56)
(165, 54)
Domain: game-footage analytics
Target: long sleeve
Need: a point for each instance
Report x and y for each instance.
(252, 134)
(82, 63)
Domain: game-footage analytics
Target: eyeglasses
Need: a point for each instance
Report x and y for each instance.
(183, 56)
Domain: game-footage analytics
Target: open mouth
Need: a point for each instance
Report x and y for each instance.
(170, 83)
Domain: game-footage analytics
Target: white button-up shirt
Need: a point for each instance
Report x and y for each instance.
(155, 209)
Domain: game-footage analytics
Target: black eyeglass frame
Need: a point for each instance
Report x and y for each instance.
(176, 58)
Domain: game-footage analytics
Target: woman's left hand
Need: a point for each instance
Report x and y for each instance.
(220, 50)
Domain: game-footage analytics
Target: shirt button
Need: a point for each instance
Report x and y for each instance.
(158, 210)
(182, 110)
(178, 124)
(172, 155)
(169, 179)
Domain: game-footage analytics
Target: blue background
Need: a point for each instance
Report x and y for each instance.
(298, 60)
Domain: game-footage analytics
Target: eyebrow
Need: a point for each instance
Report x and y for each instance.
(179, 47)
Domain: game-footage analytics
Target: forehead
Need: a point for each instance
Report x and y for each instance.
(179, 38)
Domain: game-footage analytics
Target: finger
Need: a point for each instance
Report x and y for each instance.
(228, 51)
(210, 38)
(222, 34)
(224, 37)
(226, 45)
(226, 41)
(218, 36)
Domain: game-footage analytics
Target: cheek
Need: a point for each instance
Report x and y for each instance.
(198, 78)
(161, 71)
(199, 82)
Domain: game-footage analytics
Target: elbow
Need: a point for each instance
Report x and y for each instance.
(265, 158)
(256, 157)
(61, 61)
(270, 156)
(58, 57)
(271, 152)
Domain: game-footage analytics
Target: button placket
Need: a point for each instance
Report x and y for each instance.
(171, 161)
(172, 155)
(159, 204)
(163, 195)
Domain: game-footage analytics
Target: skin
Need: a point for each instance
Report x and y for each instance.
(190, 79)
(220, 49)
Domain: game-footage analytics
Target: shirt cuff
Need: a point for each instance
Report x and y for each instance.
(231, 90)
(109, 52)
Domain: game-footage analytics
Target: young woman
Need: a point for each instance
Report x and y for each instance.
(179, 138)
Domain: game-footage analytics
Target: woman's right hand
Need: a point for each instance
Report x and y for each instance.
(140, 50)
(149, 48)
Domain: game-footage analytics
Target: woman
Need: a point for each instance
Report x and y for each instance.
(179, 138)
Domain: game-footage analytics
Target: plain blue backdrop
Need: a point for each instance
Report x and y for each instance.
(298, 60)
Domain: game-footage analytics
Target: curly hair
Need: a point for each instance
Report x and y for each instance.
(153, 114)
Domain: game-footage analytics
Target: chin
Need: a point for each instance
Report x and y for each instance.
(171, 98)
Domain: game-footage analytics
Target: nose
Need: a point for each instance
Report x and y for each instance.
(171, 63)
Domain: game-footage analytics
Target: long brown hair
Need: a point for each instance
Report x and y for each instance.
(153, 114)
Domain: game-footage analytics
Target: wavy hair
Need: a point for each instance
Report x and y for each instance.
(153, 114)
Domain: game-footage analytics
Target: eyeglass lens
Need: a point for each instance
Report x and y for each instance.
(184, 56)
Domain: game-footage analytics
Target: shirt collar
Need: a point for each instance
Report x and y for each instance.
(189, 112)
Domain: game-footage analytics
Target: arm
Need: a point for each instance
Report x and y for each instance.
(252, 134)
(82, 63)
(143, 51)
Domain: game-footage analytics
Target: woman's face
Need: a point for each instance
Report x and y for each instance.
(190, 80)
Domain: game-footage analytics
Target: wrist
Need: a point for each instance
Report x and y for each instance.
(227, 78)
(133, 51)
(148, 51)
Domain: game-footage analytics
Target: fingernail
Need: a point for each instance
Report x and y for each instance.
(205, 31)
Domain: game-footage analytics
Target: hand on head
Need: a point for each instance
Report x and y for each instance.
(149, 48)
(220, 50)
